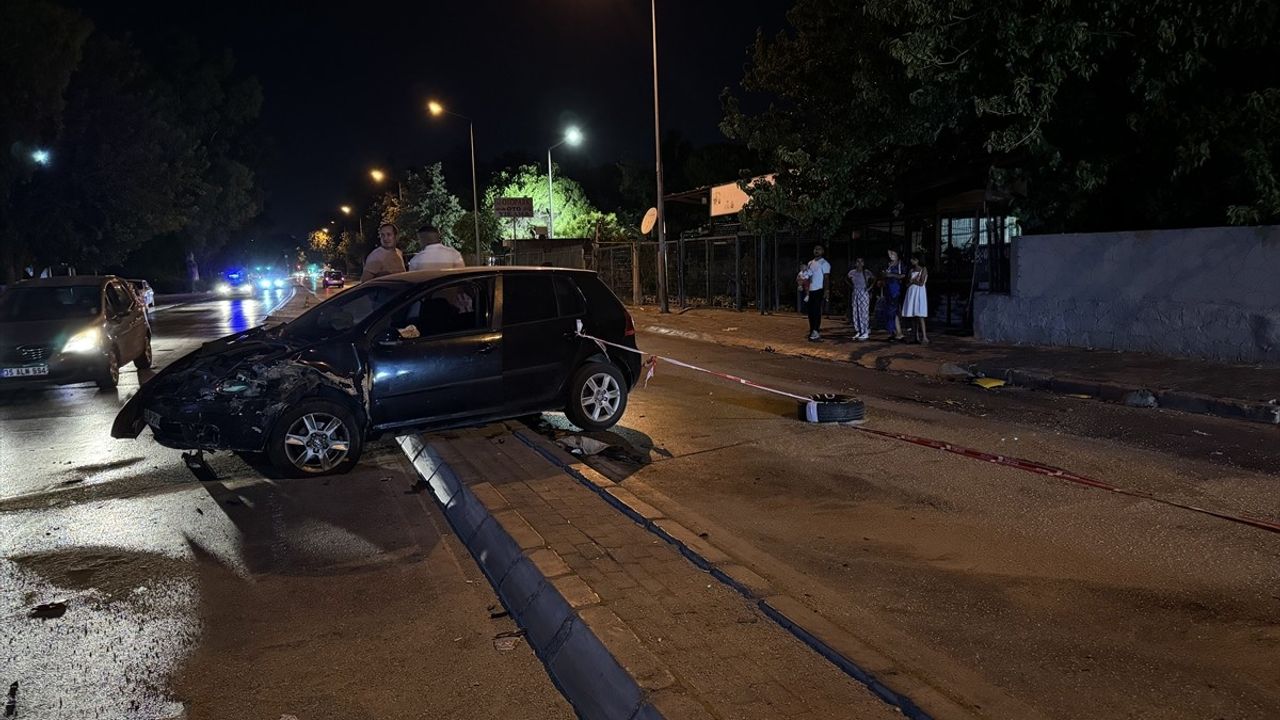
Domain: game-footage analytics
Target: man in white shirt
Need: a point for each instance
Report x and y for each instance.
(434, 255)
(816, 273)
(386, 258)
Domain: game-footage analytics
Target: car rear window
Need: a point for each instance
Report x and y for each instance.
(527, 298)
(568, 298)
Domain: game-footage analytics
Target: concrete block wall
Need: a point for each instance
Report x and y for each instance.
(1210, 293)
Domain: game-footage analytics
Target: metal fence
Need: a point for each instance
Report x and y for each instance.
(759, 272)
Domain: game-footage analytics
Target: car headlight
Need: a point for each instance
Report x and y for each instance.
(85, 341)
(246, 289)
(279, 283)
(223, 289)
(264, 284)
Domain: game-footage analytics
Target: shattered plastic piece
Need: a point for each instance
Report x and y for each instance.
(48, 611)
(989, 383)
(505, 644)
(584, 445)
(1141, 399)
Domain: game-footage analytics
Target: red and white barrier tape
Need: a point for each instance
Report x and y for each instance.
(652, 366)
(1018, 463)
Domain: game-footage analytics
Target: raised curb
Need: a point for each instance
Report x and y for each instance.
(1180, 400)
(720, 566)
(584, 670)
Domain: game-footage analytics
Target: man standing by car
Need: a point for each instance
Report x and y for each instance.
(386, 258)
(434, 255)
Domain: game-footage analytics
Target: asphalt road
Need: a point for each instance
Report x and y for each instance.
(1010, 593)
(246, 597)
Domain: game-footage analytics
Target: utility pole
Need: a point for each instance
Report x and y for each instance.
(657, 142)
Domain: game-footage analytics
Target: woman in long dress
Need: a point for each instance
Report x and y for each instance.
(916, 304)
(891, 298)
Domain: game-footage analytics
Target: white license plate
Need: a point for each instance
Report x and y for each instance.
(152, 417)
(29, 371)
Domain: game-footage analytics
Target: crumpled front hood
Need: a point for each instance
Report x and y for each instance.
(197, 373)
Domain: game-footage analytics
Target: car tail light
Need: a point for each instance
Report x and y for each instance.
(630, 330)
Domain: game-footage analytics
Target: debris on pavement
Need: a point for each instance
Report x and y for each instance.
(47, 611)
(11, 704)
(987, 383)
(507, 641)
(1141, 399)
(582, 445)
(497, 611)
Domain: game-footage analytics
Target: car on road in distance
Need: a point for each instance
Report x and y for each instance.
(424, 350)
(333, 278)
(143, 289)
(62, 330)
(234, 284)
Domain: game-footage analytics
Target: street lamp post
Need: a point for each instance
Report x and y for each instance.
(657, 142)
(437, 110)
(572, 136)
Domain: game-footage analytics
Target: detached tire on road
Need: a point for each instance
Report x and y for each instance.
(832, 408)
(597, 396)
(315, 437)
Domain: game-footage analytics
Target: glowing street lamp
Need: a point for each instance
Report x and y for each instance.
(377, 175)
(346, 210)
(40, 156)
(436, 110)
(573, 137)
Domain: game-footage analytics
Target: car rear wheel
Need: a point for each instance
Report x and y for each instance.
(111, 373)
(597, 396)
(143, 361)
(315, 437)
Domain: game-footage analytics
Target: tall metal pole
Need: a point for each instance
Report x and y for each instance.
(475, 194)
(550, 199)
(657, 142)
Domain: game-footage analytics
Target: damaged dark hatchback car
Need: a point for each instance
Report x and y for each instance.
(423, 350)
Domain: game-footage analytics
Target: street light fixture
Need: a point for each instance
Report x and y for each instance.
(40, 156)
(573, 137)
(346, 210)
(377, 175)
(436, 110)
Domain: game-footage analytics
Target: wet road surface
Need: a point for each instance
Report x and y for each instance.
(246, 597)
(1013, 594)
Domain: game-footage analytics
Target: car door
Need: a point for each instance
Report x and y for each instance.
(539, 343)
(126, 323)
(438, 357)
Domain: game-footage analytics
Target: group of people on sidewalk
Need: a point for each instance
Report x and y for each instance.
(387, 259)
(898, 291)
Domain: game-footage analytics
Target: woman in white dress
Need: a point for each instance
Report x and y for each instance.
(916, 304)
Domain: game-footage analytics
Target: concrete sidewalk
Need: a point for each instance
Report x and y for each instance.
(1241, 392)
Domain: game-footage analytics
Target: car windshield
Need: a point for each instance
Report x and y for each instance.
(342, 312)
(50, 303)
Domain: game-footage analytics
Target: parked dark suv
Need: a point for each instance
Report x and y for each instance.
(417, 350)
(55, 331)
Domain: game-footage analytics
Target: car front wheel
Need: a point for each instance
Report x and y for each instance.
(144, 361)
(597, 396)
(315, 437)
(110, 376)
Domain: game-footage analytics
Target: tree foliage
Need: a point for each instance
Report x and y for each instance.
(427, 201)
(1109, 115)
(143, 150)
(574, 215)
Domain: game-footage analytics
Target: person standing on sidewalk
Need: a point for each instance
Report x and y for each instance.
(817, 271)
(892, 299)
(386, 258)
(916, 306)
(860, 307)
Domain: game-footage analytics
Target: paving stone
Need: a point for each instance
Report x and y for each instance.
(519, 530)
(550, 563)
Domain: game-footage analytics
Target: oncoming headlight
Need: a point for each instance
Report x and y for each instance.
(84, 341)
(224, 288)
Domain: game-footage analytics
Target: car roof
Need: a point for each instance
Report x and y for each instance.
(414, 277)
(66, 281)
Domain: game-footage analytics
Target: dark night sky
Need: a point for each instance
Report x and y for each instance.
(345, 86)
